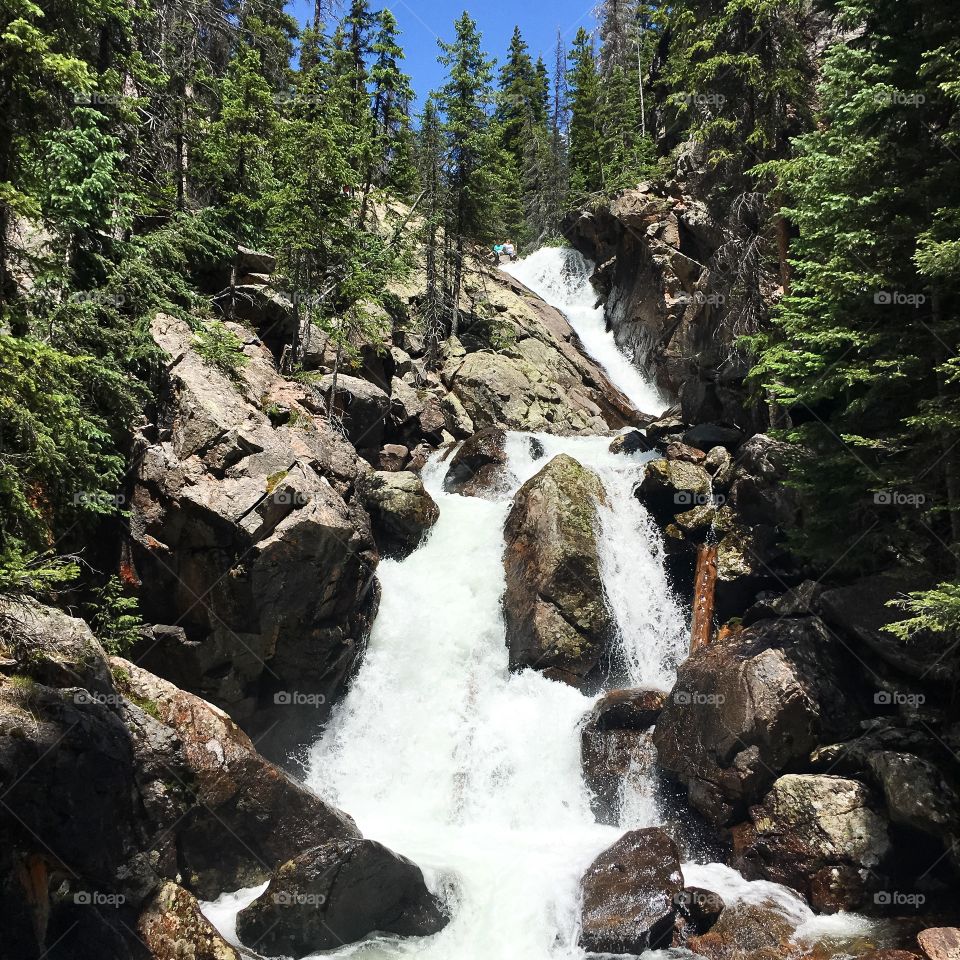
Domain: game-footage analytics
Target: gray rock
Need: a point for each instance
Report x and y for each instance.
(478, 467)
(670, 487)
(556, 614)
(362, 406)
(401, 509)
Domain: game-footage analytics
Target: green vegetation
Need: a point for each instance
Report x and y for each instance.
(116, 618)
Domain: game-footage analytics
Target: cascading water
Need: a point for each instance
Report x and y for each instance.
(442, 754)
(561, 276)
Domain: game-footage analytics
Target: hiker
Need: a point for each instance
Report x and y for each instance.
(498, 249)
(510, 250)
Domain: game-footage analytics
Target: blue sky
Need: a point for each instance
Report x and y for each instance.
(423, 21)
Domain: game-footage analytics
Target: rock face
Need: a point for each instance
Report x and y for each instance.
(479, 465)
(337, 894)
(249, 536)
(746, 708)
(670, 487)
(556, 615)
(362, 406)
(401, 509)
(817, 834)
(172, 927)
(631, 894)
(665, 302)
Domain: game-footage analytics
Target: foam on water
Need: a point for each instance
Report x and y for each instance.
(442, 754)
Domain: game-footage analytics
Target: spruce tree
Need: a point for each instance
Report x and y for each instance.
(586, 153)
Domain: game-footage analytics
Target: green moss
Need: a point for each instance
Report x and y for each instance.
(273, 481)
(146, 705)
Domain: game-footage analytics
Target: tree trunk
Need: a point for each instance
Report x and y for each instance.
(704, 595)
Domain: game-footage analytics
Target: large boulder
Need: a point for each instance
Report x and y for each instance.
(401, 509)
(818, 834)
(247, 533)
(172, 927)
(747, 707)
(336, 894)
(479, 466)
(362, 406)
(557, 618)
(670, 487)
(631, 895)
(916, 793)
(747, 930)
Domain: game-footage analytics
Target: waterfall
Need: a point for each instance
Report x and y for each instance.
(561, 276)
(474, 773)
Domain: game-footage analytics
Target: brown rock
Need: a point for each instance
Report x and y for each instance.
(940, 943)
(173, 928)
(478, 466)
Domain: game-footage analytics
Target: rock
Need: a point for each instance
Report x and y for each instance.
(860, 612)
(394, 457)
(337, 894)
(746, 931)
(631, 443)
(667, 426)
(745, 709)
(401, 509)
(362, 406)
(701, 909)
(247, 816)
(719, 464)
(705, 436)
(616, 745)
(916, 793)
(631, 894)
(254, 261)
(940, 943)
(249, 537)
(680, 451)
(557, 619)
(173, 928)
(765, 458)
(670, 487)
(801, 601)
(457, 420)
(818, 834)
(478, 465)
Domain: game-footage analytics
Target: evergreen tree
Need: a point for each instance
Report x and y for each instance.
(586, 152)
(474, 158)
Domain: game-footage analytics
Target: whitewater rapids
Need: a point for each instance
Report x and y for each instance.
(474, 773)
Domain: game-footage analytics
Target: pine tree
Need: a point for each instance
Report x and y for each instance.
(474, 158)
(586, 138)
(430, 162)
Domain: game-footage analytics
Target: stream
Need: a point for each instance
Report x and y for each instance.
(474, 773)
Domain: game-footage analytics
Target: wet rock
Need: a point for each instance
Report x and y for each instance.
(700, 910)
(746, 931)
(705, 436)
(478, 466)
(401, 509)
(556, 615)
(616, 745)
(173, 928)
(631, 443)
(336, 894)
(631, 894)
(746, 708)
(940, 943)
(818, 834)
(670, 487)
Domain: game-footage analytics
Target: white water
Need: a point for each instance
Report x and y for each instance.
(474, 773)
(561, 276)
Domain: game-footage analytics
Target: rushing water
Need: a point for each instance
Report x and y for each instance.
(442, 754)
(561, 276)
